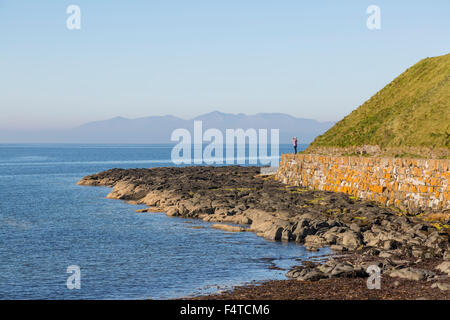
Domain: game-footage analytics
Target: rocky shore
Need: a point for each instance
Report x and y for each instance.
(407, 249)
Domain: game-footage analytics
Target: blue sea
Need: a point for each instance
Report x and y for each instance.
(48, 222)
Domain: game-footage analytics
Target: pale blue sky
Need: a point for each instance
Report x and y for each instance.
(313, 59)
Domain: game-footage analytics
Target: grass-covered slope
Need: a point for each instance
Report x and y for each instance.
(411, 111)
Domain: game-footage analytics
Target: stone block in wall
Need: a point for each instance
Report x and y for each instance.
(406, 183)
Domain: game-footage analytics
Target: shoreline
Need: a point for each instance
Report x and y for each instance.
(405, 248)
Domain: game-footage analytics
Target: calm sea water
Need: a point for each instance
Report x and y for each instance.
(48, 222)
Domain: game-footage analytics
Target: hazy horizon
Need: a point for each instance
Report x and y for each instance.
(158, 129)
(314, 60)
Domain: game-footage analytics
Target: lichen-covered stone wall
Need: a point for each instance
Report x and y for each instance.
(409, 184)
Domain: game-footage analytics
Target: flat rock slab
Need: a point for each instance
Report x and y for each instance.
(229, 228)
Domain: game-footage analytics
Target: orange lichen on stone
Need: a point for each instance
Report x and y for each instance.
(405, 183)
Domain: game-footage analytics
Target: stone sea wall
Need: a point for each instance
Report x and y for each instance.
(409, 184)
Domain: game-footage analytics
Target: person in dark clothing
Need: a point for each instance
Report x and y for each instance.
(294, 142)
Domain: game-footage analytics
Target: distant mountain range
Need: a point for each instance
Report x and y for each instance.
(158, 129)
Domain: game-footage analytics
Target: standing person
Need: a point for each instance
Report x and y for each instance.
(294, 142)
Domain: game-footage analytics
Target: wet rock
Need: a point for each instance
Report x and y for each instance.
(229, 228)
(446, 255)
(337, 247)
(371, 239)
(433, 240)
(444, 286)
(397, 262)
(313, 275)
(274, 232)
(315, 241)
(351, 240)
(385, 254)
(286, 235)
(390, 244)
(354, 227)
(330, 237)
(409, 274)
(418, 252)
(342, 269)
(330, 269)
(172, 212)
(444, 267)
(300, 233)
(308, 273)
(295, 272)
(326, 268)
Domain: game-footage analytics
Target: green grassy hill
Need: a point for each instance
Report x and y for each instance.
(411, 111)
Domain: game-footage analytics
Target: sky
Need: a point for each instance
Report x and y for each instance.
(311, 59)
